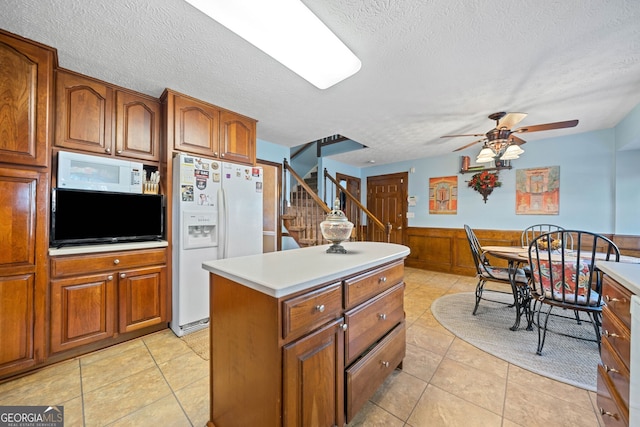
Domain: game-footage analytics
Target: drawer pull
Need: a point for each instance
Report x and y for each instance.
(344, 326)
(611, 334)
(122, 275)
(609, 299)
(382, 316)
(109, 277)
(609, 414)
(320, 308)
(384, 363)
(382, 279)
(608, 369)
(116, 261)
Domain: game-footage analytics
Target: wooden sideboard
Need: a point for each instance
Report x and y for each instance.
(309, 357)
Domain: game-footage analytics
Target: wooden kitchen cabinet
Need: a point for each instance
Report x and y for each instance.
(96, 297)
(96, 117)
(614, 370)
(26, 68)
(23, 274)
(196, 127)
(310, 358)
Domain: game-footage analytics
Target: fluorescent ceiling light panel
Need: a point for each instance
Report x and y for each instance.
(290, 33)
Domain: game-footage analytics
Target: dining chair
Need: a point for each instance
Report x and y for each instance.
(533, 231)
(568, 279)
(485, 272)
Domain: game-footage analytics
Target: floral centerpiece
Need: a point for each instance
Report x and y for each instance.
(484, 182)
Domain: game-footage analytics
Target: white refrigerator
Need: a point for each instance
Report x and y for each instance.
(217, 213)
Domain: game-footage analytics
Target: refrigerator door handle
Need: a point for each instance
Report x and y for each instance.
(224, 223)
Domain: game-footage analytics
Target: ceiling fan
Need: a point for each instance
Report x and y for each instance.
(502, 136)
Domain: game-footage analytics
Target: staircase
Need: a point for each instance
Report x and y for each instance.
(305, 210)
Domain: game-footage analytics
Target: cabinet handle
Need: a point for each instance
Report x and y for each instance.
(122, 275)
(109, 278)
(344, 326)
(608, 369)
(119, 151)
(320, 308)
(611, 334)
(116, 261)
(609, 414)
(609, 299)
(107, 150)
(384, 363)
(382, 316)
(382, 279)
(215, 154)
(222, 155)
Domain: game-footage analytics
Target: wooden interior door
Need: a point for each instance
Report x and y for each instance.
(271, 190)
(387, 200)
(350, 209)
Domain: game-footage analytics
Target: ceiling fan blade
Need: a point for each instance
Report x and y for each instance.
(469, 145)
(548, 126)
(510, 120)
(470, 134)
(516, 140)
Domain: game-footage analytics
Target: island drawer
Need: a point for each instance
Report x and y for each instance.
(365, 376)
(616, 335)
(618, 300)
(360, 288)
(369, 322)
(616, 370)
(306, 312)
(67, 265)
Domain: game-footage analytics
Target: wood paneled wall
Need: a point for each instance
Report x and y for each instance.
(447, 249)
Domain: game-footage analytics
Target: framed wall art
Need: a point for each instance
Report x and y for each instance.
(443, 195)
(538, 191)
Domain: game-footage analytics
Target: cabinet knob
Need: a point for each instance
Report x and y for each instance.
(343, 326)
(384, 363)
(215, 154)
(382, 279)
(382, 316)
(122, 275)
(107, 150)
(119, 151)
(608, 369)
(609, 414)
(222, 155)
(320, 308)
(116, 261)
(109, 278)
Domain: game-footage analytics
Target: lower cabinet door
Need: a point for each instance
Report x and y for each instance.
(82, 310)
(142, 299)
(313, 382)
(368, 373)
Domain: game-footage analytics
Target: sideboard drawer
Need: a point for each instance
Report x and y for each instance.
(618, 300)
(67, 265)
(369, 322)
(612, 414)
(617, 335)
(365, 376)
(616, 370)
(360, 288)
(306, 312)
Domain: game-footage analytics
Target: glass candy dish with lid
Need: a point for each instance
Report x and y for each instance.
(336, 228)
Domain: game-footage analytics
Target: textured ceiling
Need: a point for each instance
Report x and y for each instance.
(429, 67)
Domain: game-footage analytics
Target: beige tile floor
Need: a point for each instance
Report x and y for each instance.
(157, 380)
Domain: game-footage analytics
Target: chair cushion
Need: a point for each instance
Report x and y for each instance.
(576, 273)
(502, 273)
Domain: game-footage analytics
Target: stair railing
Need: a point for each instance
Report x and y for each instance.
(355, 215)
(304, 211)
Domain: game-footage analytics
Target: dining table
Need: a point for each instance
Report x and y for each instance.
(516, 257)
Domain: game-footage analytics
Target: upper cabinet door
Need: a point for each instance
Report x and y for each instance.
(237, 138)
(26, 76)
(84, 113)
(196, 127)
(137, 126)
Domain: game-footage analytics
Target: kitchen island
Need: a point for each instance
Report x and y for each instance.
(302, 337)
(619, 371)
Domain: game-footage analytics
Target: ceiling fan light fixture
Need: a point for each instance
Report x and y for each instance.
(290, 33)
(512, 152)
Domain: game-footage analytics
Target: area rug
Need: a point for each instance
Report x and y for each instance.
(565, 359)
(198, 341)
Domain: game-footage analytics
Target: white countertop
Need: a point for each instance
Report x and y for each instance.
(282, 273)
(90, 249)
(628, 275)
